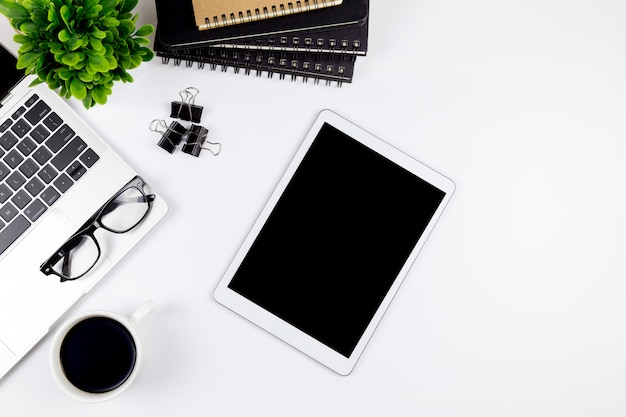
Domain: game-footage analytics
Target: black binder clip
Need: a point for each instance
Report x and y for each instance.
(186, 109)
(171, 135)
(196, 138)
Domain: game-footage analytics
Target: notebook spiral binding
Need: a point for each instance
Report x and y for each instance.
(266, 12)
(331, 69)
(303, 44)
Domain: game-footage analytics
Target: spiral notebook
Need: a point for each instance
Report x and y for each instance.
(212, 14)
(177, 29)
(332, 69)
(320, 44)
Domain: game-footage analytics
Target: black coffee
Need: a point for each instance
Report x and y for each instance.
(98, 354)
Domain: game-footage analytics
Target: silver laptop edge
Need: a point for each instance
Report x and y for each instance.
(30, 302)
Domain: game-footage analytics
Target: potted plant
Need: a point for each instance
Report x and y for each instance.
(78, 47)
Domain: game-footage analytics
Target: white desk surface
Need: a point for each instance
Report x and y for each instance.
(515, 307)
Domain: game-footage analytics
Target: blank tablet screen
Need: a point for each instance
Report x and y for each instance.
(336, 240)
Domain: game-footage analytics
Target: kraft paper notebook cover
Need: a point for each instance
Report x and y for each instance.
(177, 28)
(212, 14)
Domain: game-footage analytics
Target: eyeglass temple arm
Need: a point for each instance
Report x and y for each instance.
(115, 203)
(62, 252)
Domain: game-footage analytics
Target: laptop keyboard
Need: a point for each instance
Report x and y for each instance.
(41, 157)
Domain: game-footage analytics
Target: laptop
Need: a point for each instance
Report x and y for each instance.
(55, 173)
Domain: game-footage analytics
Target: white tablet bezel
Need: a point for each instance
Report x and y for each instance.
(286, 331)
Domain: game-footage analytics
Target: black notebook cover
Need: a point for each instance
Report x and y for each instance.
(177, 29)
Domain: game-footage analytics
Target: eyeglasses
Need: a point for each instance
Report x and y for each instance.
(81, 252)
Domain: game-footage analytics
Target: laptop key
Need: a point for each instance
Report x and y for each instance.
(21, 128)
(40, 133)
(53, 121)
(12, 231)
(29, 168)
(37, 112)
(69, 153)
(8, 212)
(18, 113)
(21, 199)
(35, 210)
(89, 157)
(27, 146)
(16, 180)
(32, 100)
(4, 170)
(60, 138)
(5, 125)
(42, 155)
(63, 183)
(8, 140)
(34, 186)
(5, 193)
(76, 170)
(47, 173)
(13, 158)
(50, 196)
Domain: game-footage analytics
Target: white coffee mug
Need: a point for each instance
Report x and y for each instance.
(96, 355)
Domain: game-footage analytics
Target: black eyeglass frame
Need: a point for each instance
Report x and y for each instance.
(91, 225)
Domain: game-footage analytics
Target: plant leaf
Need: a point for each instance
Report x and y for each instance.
(29, 28)
(52, 13)
(88, 101)
(26, 47)
(27, 59)
(110, 22)
(93, 12)
(96, 44)
(66, 15)
(78, 89)
(145, 30)
(13, 10)
(108, 6)
(90, 3)
(98, 34)
(99, 63)
(85, 76)
(128, 5)
(125, 28)
(19, 38)
(99, 95)
(112, 62)
(146, 54)
(35, 82)
(65, 74)
(72, 58)
(64, 35)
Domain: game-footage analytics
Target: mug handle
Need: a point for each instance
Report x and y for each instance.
(142, 312)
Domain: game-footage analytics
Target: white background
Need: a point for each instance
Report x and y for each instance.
(515, 307)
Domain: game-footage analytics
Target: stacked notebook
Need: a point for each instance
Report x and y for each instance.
(308, 39)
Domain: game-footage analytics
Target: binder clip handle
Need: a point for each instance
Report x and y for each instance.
(186, 108)
(171, 135)
(196, 140)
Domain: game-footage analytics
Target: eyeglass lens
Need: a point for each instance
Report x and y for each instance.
(122, 214)
(79, 255)
(125, 212)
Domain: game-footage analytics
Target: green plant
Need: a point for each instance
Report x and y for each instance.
(79, 47)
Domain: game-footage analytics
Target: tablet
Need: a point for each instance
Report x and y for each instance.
(334, 241)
